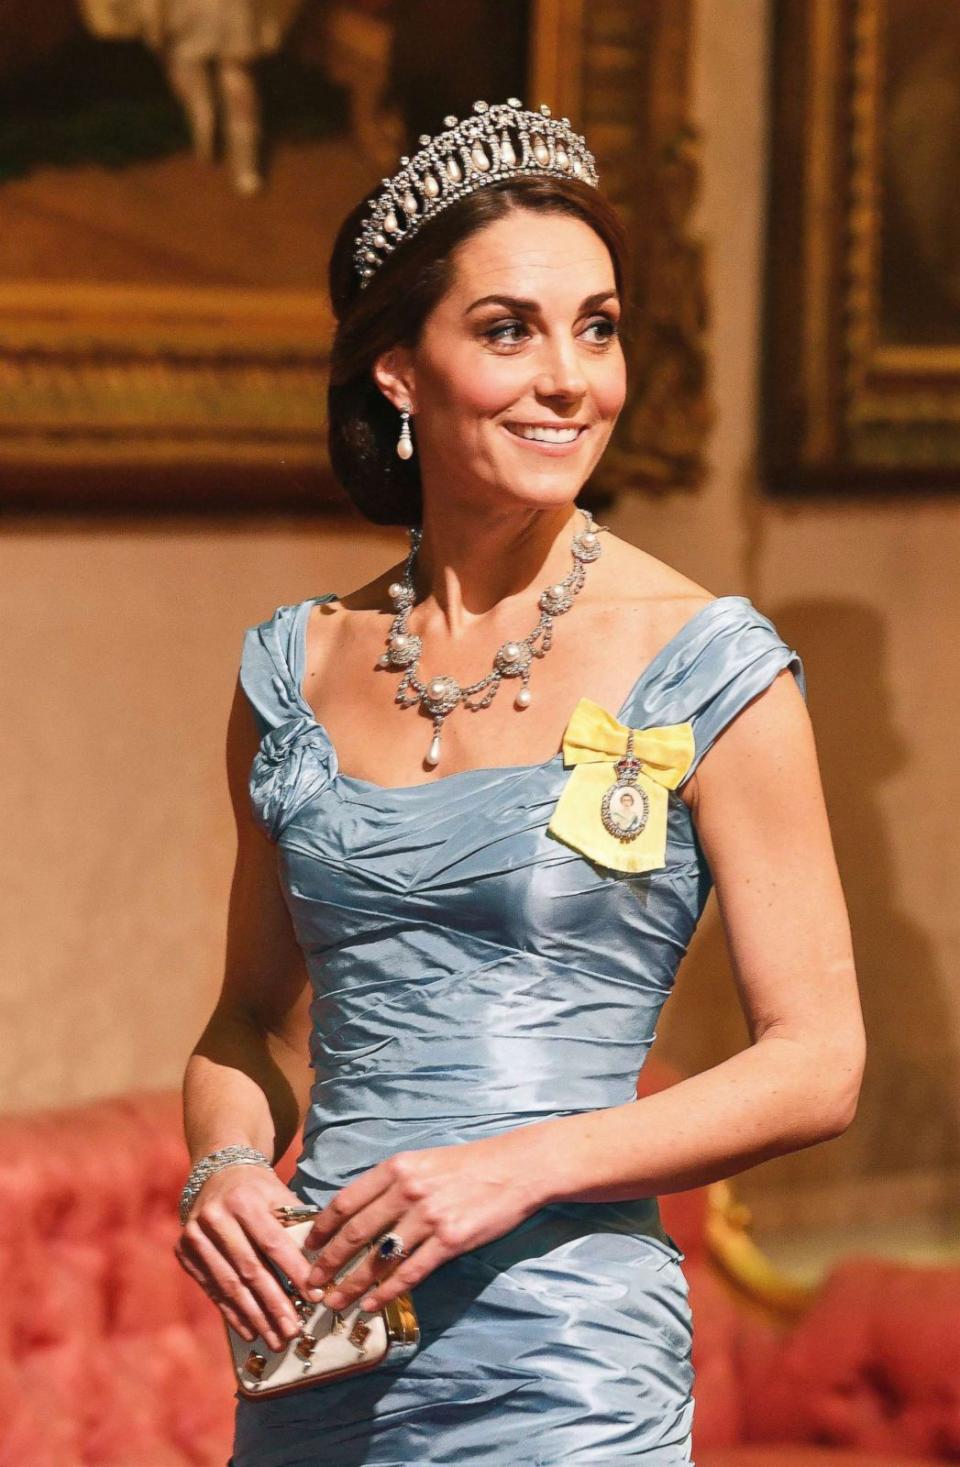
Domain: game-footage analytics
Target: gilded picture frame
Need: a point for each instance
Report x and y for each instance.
(167, 397)
(861, 376)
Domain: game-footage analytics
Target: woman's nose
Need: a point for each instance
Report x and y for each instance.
(561, 373)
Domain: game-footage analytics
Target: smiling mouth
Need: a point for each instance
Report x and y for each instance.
(544, 435)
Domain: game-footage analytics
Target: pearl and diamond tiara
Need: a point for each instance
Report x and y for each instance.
(500, 141)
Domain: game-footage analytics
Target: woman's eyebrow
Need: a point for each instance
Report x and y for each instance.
(518, 303)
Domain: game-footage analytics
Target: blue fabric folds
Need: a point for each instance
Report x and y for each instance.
(471, 974)
(294, 763)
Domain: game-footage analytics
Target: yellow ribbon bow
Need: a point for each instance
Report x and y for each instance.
(594, 740)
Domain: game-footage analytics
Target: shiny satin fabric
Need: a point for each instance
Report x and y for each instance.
(471, 973)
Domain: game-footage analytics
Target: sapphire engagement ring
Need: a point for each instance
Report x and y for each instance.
(390, 1246)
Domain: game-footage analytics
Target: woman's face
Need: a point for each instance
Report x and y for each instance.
(525, 339)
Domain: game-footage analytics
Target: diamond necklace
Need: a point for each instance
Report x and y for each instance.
(442, 694)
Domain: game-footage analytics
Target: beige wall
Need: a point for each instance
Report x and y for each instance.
(120, 649)
(120, 655)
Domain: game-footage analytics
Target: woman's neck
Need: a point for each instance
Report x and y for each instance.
(468, 564)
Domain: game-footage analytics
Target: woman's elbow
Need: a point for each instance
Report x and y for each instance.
(845, 1066)
(828, 1075)
(842, 1117)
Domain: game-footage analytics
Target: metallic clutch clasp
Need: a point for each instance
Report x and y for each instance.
(296, 1213)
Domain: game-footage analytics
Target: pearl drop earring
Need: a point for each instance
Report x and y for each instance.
(405, 442)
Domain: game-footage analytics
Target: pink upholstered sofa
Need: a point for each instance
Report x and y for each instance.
(111, 1355)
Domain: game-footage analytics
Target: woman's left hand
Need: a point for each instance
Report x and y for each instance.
(442, 1201)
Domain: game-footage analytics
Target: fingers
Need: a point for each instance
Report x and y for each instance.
(407, 1274)
(204, 1262)
(235, 1276)
(357, 1230)
(274, 1240)
(227, 1309)
(361, 1192)
(373, 1271)
(365, 1207)
(239, 1241)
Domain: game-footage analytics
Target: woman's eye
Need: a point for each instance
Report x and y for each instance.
(497, 332)
(502, 331)
(611, 328)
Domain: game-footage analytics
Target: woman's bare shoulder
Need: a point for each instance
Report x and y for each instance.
(332, 626)
(650, 589)
(640, 574)
(372, 595)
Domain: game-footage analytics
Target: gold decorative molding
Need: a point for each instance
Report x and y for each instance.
(744, 1265)
(127, 375)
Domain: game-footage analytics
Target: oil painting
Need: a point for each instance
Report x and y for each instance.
(171, 176)
(862, 372)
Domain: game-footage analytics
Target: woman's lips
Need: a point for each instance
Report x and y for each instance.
(539, 445)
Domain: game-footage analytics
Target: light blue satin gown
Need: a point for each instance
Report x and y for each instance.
(471, 974)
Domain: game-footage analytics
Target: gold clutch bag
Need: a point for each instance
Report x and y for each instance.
(331, 1343)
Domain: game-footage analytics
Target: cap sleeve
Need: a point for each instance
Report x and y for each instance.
(268, 668)
(733, 652)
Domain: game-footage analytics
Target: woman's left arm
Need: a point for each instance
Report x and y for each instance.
(758, 805)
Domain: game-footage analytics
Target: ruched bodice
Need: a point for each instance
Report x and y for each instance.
(472, 973)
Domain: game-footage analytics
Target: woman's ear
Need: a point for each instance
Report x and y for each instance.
(393, 373)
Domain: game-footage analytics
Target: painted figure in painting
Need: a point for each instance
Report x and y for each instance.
(208, 48)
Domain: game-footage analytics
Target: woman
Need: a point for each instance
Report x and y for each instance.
(459, 972)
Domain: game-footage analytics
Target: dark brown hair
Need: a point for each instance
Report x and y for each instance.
(391, 311)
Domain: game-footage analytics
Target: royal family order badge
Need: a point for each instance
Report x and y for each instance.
(625, 808)
(619, 823)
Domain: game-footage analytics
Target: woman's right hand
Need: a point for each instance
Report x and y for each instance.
(229, 1234)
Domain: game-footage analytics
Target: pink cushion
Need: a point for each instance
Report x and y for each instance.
(873, 1364)
(116, 1344)
(718, 1400)
(776, 1455)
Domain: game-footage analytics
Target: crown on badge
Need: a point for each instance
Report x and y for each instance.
(499, 141)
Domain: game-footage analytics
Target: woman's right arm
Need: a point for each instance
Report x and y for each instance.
(247, 1081)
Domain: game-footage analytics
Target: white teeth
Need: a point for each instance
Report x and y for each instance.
(545, 435)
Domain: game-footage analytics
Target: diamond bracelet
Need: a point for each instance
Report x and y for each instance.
(215, 1161)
